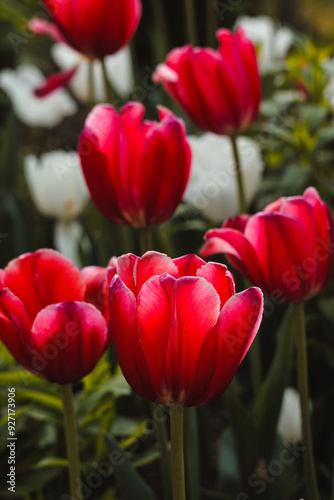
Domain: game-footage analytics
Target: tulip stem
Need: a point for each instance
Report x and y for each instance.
(309, 466)
(241, 189)
(211, 23)
(164, 449)
(255, 365)
(176, 428)
(190, 21)
(107, 85)
(145, 236)
(157, 7)
(71, 441)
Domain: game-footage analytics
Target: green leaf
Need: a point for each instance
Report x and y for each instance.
(244, 430)
(269, 400)
(128, 480)
(42, 398)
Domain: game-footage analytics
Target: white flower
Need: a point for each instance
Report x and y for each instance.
(118, 66)
(212, 187)
(273, 43)
(48, 112)
(57, 184)
(289, 423)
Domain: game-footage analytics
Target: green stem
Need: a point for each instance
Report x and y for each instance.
(157, 7)
(145, 236)
(309, 466)
(241, 189)
(164, 451)
(211, 24)
(71, 441)
(91, 90)
(107, 85)
(190, 21)
(176, 427)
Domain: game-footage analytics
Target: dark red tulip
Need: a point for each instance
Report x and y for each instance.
(136, 170)
(287, 250)
(96, 28)
(180, 330)
(44, 321)
(219, 90)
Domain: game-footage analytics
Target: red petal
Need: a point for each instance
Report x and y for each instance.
(220, 278)
(225, 346)
(194, 310)
(42, 278)
(97, 288)
(126, 268)
(55, 82)
(123, 327)
(41, 27)
(15, 327)
(153, 264)
(276, 239)
(238, 250)
(69, 338)
(188, 265)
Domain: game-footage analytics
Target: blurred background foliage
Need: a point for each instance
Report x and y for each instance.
(296, 137)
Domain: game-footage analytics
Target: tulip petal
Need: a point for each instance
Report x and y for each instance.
(15, 327)
(97, 288)
(238, 250)
(225, 346)
(220, 278)
(42, 278)
(153, 264)
(70, 338)
(188, 265)
(123, 327)
(195, 309)
(41, 27)
(276, 239)
(55, 82)
(126, 269)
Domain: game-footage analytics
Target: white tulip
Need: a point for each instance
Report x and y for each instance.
(118, 66)
(49, 111)
(273, 43)
(212, 187)
(290, 421)
(57, 184)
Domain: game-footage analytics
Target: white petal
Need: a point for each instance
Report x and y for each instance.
(56, 184)
(119, 71)
(49, 111)
(213, 185)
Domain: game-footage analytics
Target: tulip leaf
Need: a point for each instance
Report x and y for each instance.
(244, 431)
(269, 400)
(42, 398)
(128, 479)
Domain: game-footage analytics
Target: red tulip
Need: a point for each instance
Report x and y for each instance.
(219, 90)
(44, 322)
(95, 28)
(180, 330)
(136, 170)
(287, 249)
